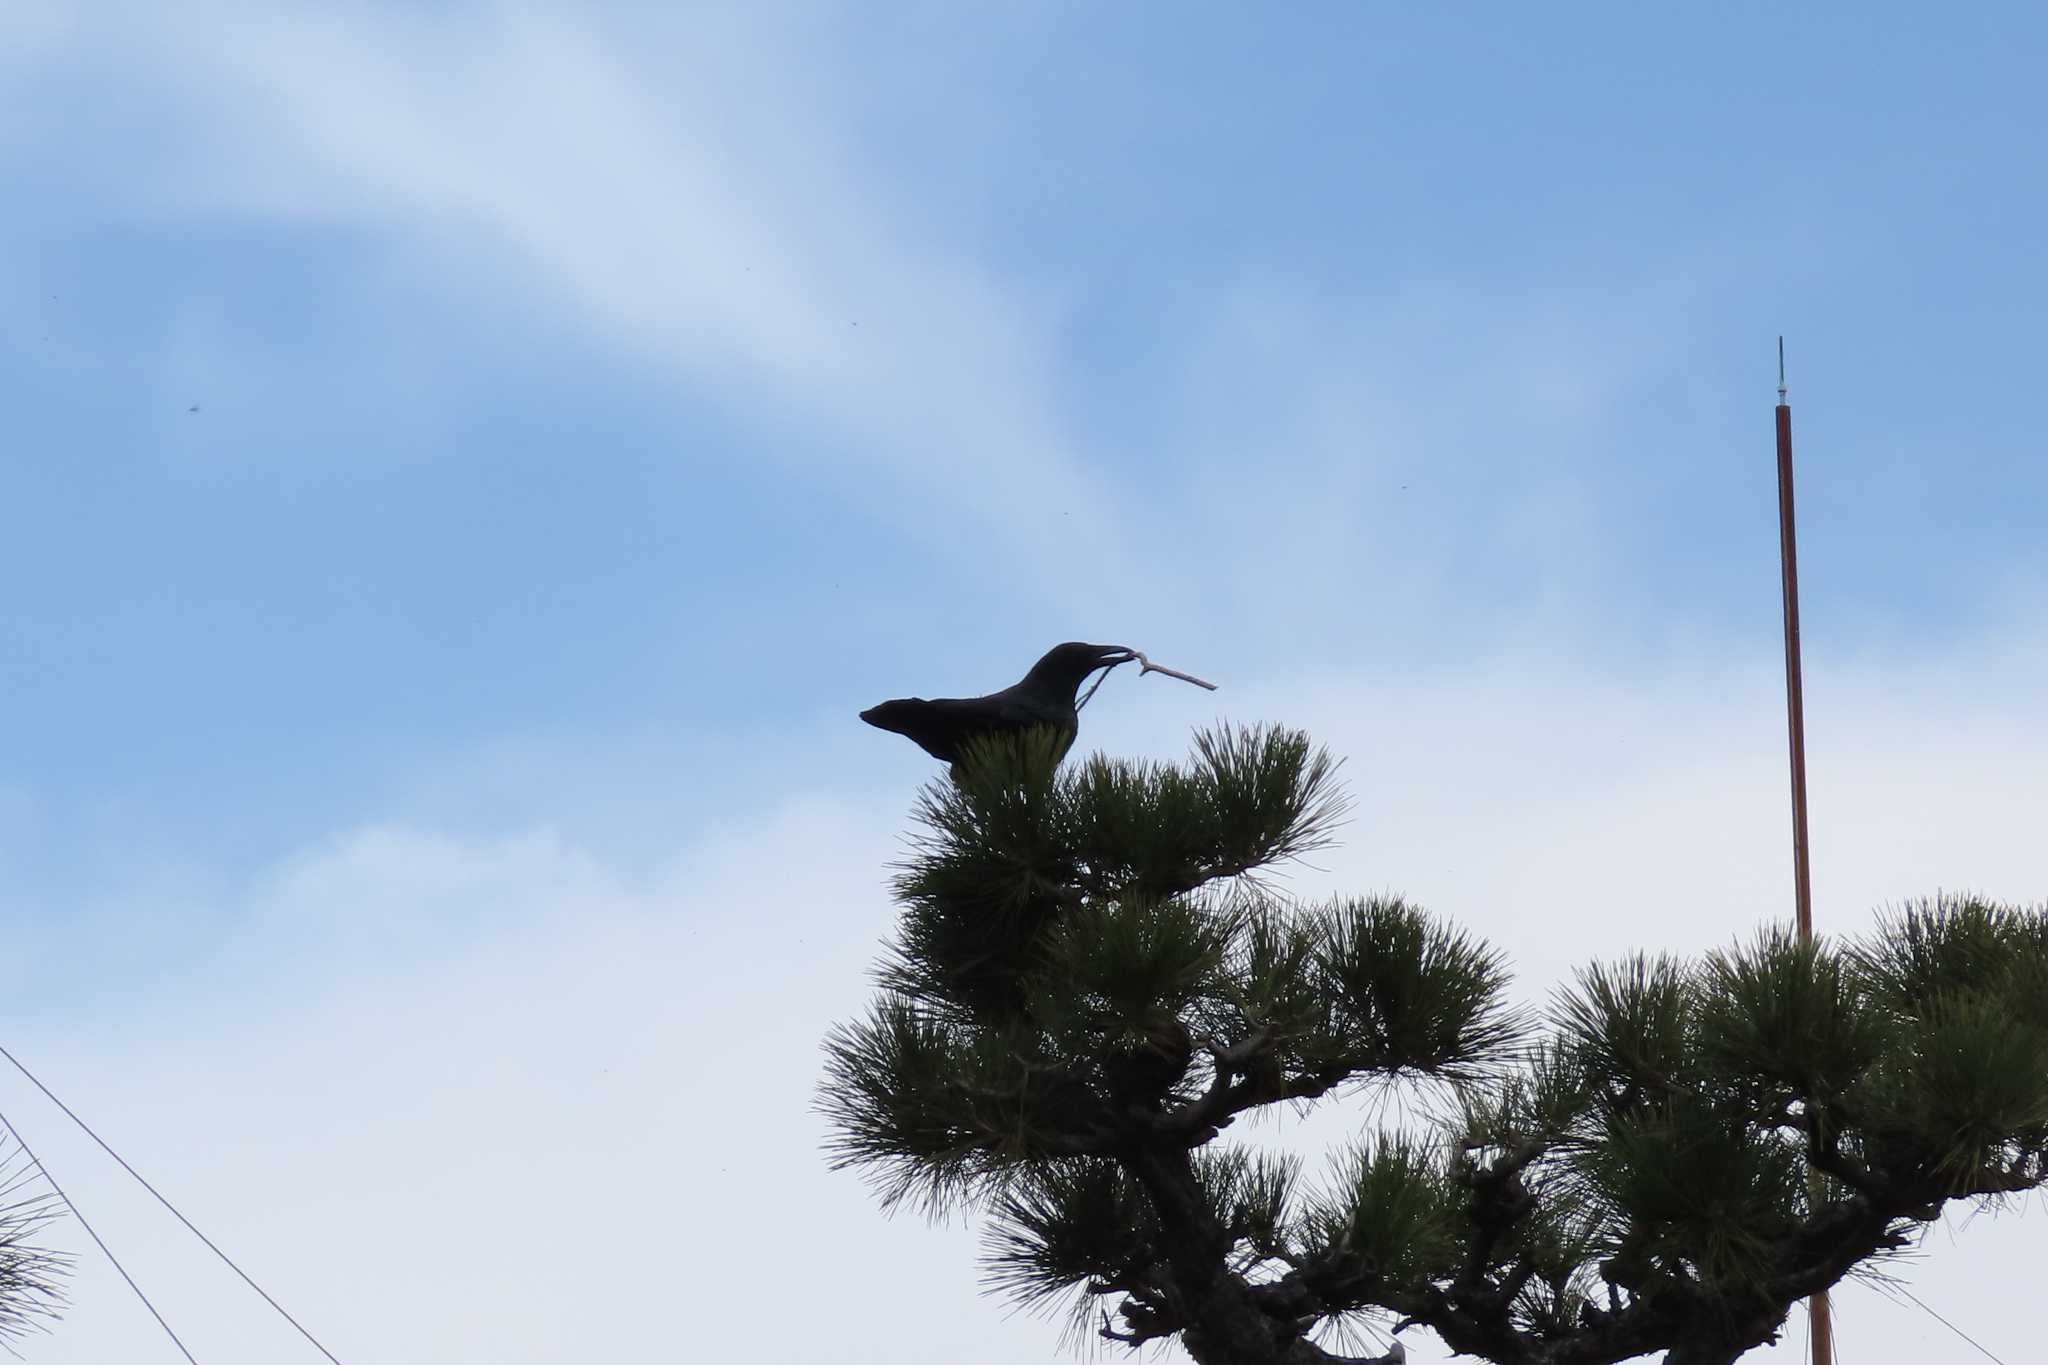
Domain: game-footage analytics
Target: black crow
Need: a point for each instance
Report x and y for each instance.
(943, 725)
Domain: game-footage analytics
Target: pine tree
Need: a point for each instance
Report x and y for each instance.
(1092, 983)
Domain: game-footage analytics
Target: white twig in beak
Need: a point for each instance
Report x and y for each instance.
(1147, 666)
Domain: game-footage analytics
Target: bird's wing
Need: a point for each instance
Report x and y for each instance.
(940, 725)
(936, 726)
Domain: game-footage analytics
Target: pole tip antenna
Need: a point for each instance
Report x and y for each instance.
(1781, 372)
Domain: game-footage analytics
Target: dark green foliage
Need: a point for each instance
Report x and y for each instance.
(1959, 1097)
(1788, 1016)
(1688, 1193)
(1629, 1025)
(1256, 1192)
(1956, 945)
(31, 1277)
(1065, 1224)
(1408, 992)
(1014, 842)
(1662, 1165)
(1391, 1206)
(1091, 983)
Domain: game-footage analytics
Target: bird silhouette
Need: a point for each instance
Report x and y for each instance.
(943, 726)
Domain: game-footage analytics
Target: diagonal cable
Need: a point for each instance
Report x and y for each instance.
(225, 1258)
(1895, 1286)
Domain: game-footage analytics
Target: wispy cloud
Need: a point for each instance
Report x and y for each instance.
(676, 189)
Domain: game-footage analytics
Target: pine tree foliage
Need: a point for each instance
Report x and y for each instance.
(1095, 977)
(31, 1276)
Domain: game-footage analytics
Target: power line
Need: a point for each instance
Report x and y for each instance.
(15, 1133)
(1944, 1321)
(225, 1258)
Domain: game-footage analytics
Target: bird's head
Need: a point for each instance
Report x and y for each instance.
(1064, 666)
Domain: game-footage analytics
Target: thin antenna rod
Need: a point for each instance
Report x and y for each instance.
(1818, 1311)
(1795, 700)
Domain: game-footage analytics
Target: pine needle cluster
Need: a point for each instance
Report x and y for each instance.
(31, 1276)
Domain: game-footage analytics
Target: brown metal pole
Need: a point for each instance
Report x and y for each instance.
(1795, 699)
(1818, 1313)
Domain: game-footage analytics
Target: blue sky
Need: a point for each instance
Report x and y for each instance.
(467, 465)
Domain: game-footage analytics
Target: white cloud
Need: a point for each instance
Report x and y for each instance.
(584, 1133)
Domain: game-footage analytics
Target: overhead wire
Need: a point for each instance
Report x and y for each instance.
(158, 1196)
(1899, 1288)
